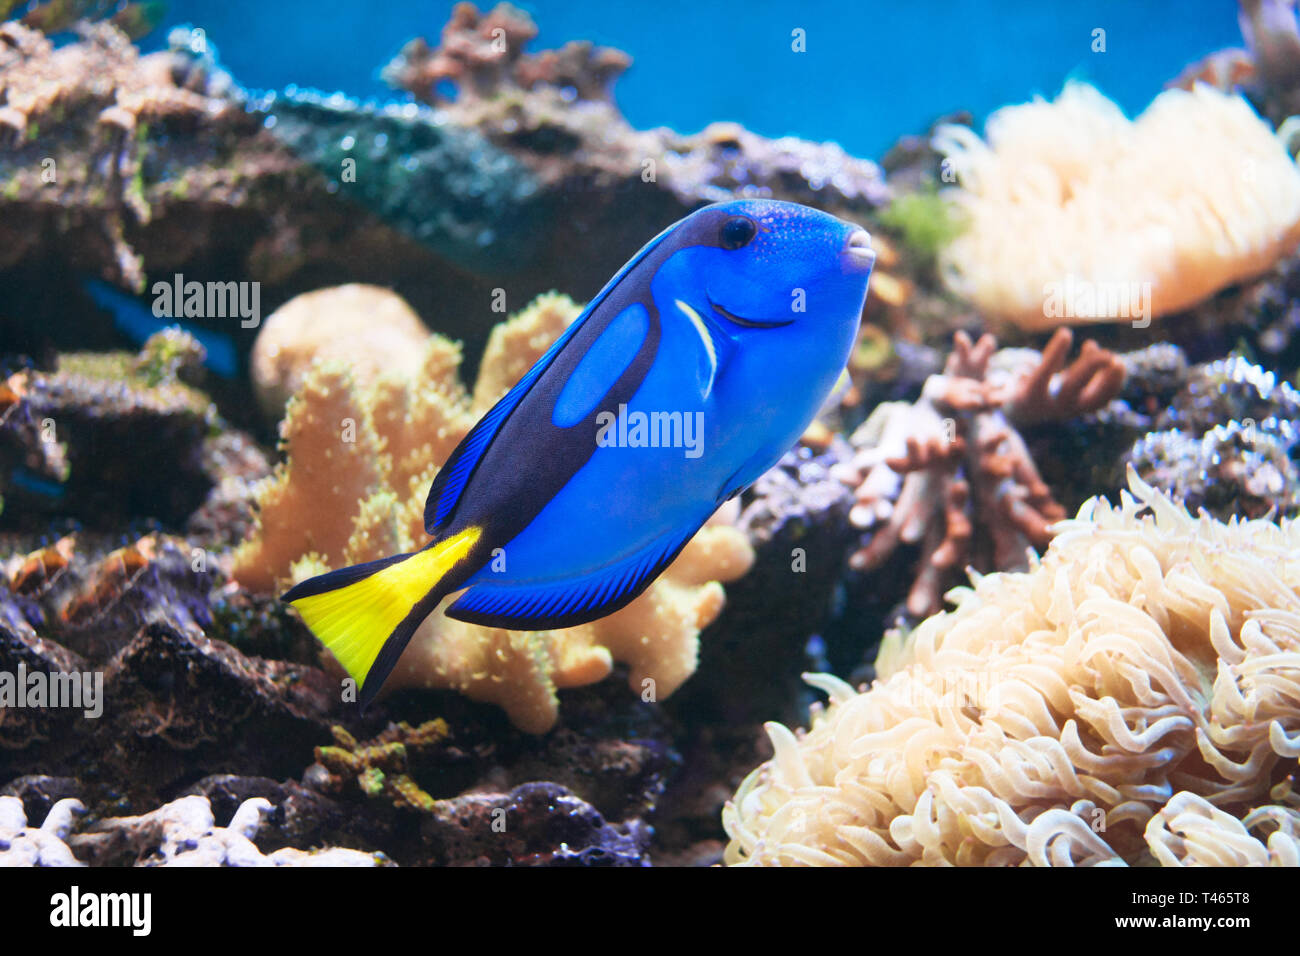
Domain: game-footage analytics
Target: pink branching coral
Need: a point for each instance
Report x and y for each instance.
(1134, 697)
(481, 53)
(951, 471)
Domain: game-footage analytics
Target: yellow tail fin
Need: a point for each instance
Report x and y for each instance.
(363, 613)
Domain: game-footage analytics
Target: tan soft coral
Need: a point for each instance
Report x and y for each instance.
(1196, 194)
(370, 328)
(359, 466)
(1134, 696)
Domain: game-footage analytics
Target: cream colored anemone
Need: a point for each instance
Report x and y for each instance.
(1133, 697)
(1076, 214)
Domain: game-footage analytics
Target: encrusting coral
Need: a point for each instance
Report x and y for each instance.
(1196, 194)
(360, 464)
(952, 473)
(1133, 697)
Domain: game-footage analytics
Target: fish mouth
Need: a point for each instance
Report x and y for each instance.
(857, 255)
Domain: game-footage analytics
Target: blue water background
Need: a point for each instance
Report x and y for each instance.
(872, 70)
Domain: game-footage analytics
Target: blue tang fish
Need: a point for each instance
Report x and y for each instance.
(696, 367)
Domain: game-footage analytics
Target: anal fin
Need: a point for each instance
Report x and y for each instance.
(568, 604)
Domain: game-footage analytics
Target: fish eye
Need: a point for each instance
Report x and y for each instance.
(738, 231)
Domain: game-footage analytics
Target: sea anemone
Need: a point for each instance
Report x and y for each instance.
(1077, 214)
(1134, 697)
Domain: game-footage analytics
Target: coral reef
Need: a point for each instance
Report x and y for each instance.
(1124, 219)
(1128, 697)
(360, 463)
(479, 53)
(795, 517)
(534, 181)
(104, 72)
(110, 103)
(153, 697)
(380, 767)
(535, 824)
(951, 472)
(110, 435)
(440, 184)
(23, 845)
(1070, 714)
(370, 328)
(184, 833)
(1224, 442)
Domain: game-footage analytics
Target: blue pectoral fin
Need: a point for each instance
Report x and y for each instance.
(545, 607)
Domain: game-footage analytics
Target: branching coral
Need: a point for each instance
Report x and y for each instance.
(184, 833)
(23, 845)
(480, 52)
(360, 463)
(1134, 695)
(380, 767)
(951, 472)
(1076, 214)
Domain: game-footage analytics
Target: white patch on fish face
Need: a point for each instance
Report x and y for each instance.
(702, 328)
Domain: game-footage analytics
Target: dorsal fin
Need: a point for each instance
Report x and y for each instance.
(459, 467)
